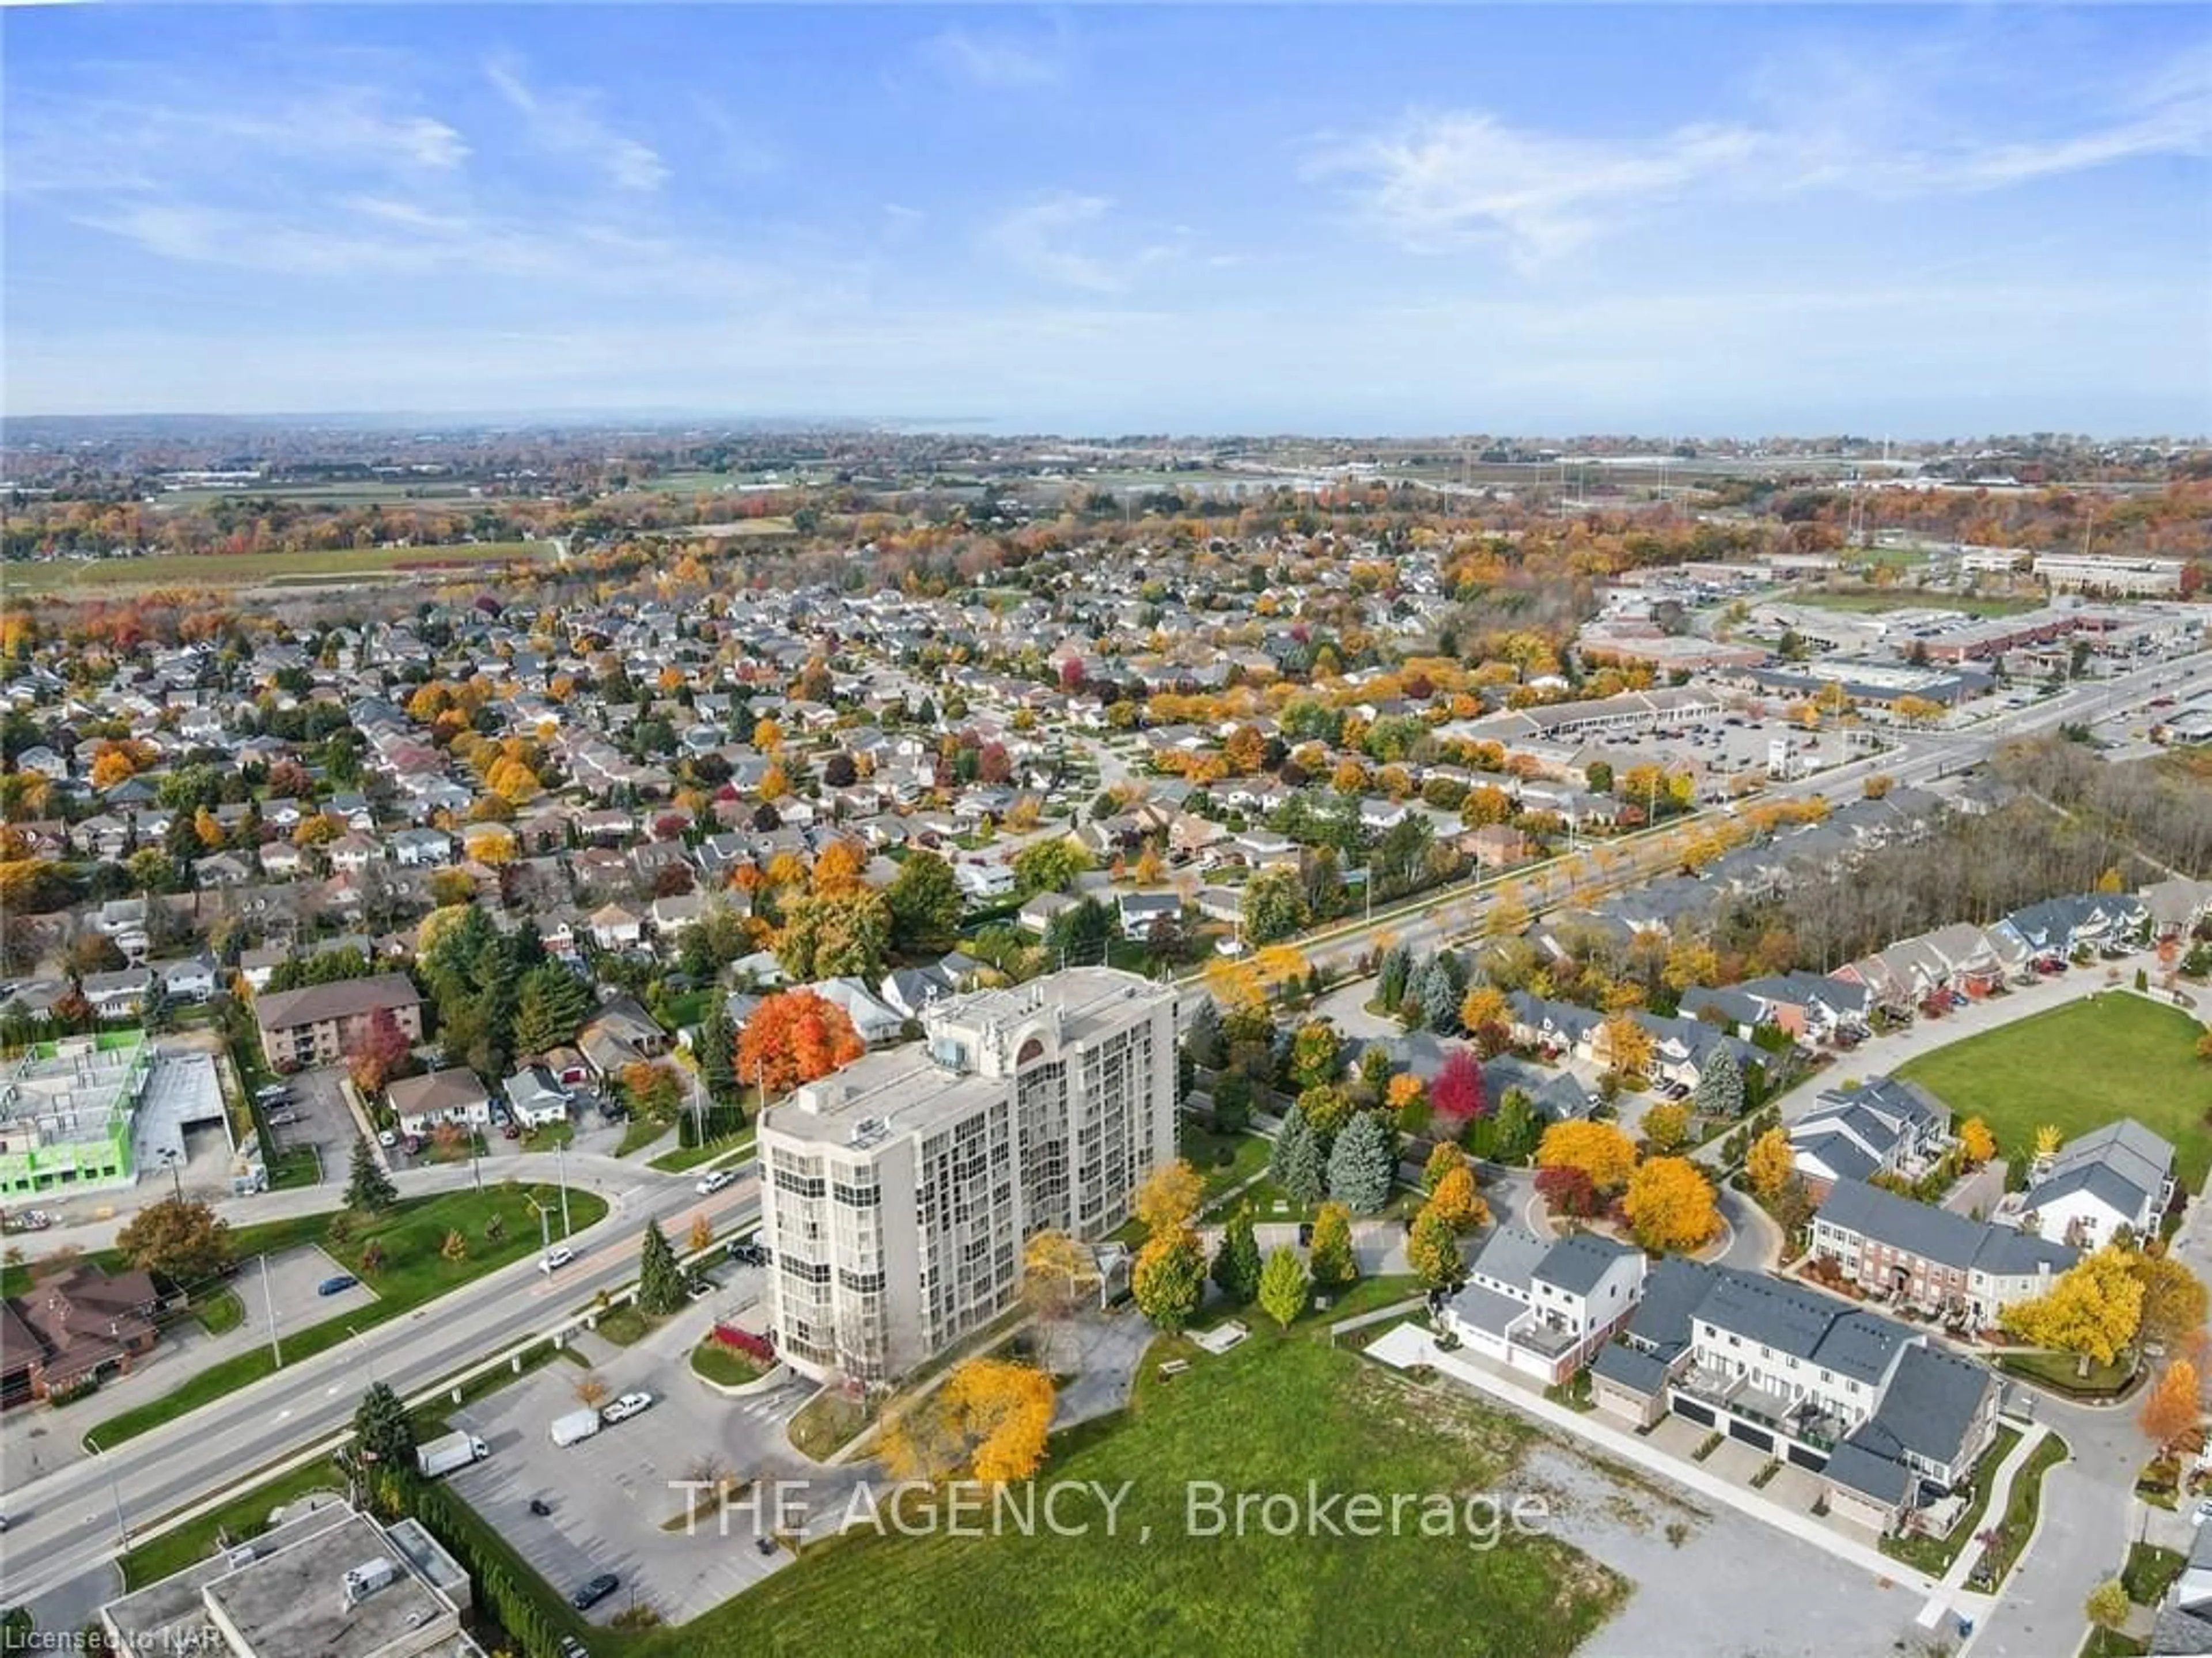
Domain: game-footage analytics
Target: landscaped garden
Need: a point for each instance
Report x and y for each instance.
(1276, 1411)
(2078, 1067)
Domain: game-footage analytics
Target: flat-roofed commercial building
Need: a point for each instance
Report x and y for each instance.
(899, 1192)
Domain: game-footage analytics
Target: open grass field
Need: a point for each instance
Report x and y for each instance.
(2080, 1066)
(1908, 598)
(1280, 1409)
(240, 569)
(411, 1235)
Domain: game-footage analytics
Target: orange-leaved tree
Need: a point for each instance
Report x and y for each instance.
(794, 1037)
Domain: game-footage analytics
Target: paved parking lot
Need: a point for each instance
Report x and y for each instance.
(324, 1123)
(609, 1494)
(294, 1278)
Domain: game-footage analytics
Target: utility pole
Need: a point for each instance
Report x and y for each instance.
(269, 1311)
(560, 1167)
(115, 1492)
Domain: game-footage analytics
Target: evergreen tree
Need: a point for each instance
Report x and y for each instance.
(369, 1188)
(1236, 1262)
(1397, 967)
(1719, 1092)
(1441, 993)
(383, 1430)
(550, 1009)
(718, 1054)
(1361, 1164)
(1202, 1040)
(660, 1279)
(1296, 1163)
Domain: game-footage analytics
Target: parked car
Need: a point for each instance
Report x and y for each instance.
(747, 1251)
(513, 1131)
(388, 1138)
(282, 1118)
(556, 1258)
(269, 1093)
(627, 1405)
(595, 1591)
(337, 1286)
(714, 1180)
(2202, 1513)
(539, 1506)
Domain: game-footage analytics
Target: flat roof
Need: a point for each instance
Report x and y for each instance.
(294, 1600)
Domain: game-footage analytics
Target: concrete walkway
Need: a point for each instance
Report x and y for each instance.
(1993, 1511)
(1406, 1346)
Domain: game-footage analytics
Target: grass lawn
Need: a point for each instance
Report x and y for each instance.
(725, 1365)
(548, 1136)
(234, 1522)
(685, 1158)
(2105, 1643)
(1226, 1160)
(411, 1235)
(219, 1312)
(1278, 1411)
(236, 569)
(625, 1326)
(1910, 598)
(641, 1132)
(2150, 1572)
(2026, 1498)
(2081, 1066)
(826, 1422)
(1934, 1555)
(2061, 1373)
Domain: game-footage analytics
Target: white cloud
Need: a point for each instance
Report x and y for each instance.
(564, 122)
(1034, 239)
(1440, 180)
(998, 60)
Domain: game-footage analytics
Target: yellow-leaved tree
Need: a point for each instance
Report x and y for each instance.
(988, 1422)
(2093, 1309)
(1976, 1144)
(1768, 1163)
(1169, 1197)
(1669, 1204)
(1598, 1149)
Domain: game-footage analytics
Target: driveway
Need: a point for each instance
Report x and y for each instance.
(325, 1121)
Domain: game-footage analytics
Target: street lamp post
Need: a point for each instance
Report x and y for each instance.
(561, 1168)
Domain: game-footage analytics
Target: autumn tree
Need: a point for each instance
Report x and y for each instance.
(1976, 1144)
(829, 935)
(2108, 1605)
(1457, 1097)
(1455, 1200)
(1168, 1197)
(1666, 1126)
(987, 1422)
(1432, 1250)
(1770, 1163)
(1628, 1044)
(1168, 1279)
(699, 1236)
(380, 1053)
(180, 1238)
(2170, 1408)
(1059, 1275)
(2093, 1309)
(1567, 1190)
(926, 905)
(1285, 1286)
(1316, 1054)
(1443, 1158)
(1601, 1150)
(1049, 866)
(1329, 1253)
(2173, 1300)
(795, 1036)
(1669, 1205)
(1487, 1018)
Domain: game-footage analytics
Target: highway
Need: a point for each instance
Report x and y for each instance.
(69, 1522)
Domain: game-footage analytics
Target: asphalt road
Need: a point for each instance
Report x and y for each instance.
(63, 1524)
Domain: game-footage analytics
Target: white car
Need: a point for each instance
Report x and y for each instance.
(388, 1138)
(715, 1180)
(627, 1405)
(555, 1259)
(2203, 1512)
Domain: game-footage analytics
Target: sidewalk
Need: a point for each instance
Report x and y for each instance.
(1993, 1511)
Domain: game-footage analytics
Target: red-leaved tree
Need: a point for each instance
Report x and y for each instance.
(1569, 1191)
(794, 1037)
(1456, 1097)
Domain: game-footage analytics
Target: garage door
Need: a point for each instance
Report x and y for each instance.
(1757, 1438)
(1806, 1457)
(1692, 1409)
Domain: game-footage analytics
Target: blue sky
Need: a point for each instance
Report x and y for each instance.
(1895, 220)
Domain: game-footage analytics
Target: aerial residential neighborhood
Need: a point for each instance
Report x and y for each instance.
(1194, 830)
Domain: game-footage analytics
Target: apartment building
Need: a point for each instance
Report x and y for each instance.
(318, 1024)
(899, 1191)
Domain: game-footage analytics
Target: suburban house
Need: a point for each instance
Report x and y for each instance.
(1040, 909)
(981, 880)
(1139, 910)
(123, 994)
(72, 1329)
(614, 928)
(453, 1095)
(2184, 1628)
(1880, 1127)
(1963, 1270)
(1891, 1423)
(319, 1025)
(2121, 1174)
(873, 1020)
(535, 1098)
(1542, 1306)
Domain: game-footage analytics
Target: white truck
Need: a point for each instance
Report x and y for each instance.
(455, 1450)
(577, 1425)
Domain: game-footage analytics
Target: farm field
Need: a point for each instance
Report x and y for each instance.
(238, 569)
(1278, 1411)
(2078, 1067)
